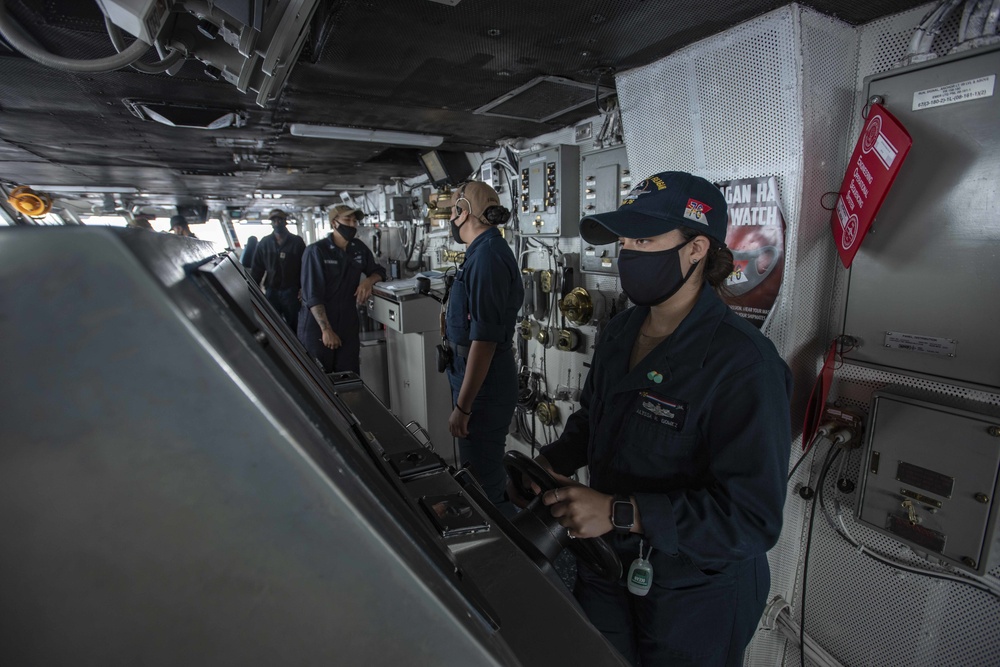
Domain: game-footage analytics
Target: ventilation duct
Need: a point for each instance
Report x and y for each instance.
(544, 98)
(178, 115)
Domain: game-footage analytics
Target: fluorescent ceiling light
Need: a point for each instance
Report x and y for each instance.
(304, 193)
(111, 189)
(361, 134)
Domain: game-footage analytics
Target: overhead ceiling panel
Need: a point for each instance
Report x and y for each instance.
(410, 65)
(544, 98)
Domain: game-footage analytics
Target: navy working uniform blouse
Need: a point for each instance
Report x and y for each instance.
(330, 277)
(486, 294)
(699, 431)
(282, 263)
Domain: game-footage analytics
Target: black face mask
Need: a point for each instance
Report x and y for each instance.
(454, 229)
(650, 278)
(347, 232)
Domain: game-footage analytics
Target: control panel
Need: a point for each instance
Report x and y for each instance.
(605, 180)
(547, 185)
(929, 476)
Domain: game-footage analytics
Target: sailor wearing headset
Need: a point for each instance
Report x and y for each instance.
(479, 326)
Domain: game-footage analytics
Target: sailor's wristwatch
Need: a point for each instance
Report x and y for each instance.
(622, 514)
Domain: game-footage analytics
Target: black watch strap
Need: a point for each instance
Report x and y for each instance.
(622, 514)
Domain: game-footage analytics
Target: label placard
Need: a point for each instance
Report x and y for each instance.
(945, 347)
(953, 93)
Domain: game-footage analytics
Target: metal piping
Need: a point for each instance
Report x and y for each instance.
(777, 616)
(963, 25)
(923, 36)
(977, 19)
(19, 39)
(171, 59)
(992, 17)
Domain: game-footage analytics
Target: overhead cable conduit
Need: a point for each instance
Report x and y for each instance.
(992, 18)
(923, 36)
(164, 65)
(19, 39)
(975, 18)
(977, 27)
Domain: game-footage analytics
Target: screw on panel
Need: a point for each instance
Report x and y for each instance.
(970, 562)
(982, 498)
(874, 99)
(994, 431)
(260, 337)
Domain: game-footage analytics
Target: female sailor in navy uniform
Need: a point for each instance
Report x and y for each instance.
(332, 288)
(479, 325)
(684, 422)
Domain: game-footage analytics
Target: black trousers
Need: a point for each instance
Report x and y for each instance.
(492, 411)
(690, 617)
(343, 317)
(286, 302)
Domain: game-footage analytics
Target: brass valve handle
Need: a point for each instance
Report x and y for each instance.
(577, 306)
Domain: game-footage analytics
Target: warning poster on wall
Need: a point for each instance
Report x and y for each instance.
(756, 237)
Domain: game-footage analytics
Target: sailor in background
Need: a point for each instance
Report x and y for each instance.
(278, 260)
(479, 326)
(684, 422)
(140, 221)
(179, 226)
(332, 288)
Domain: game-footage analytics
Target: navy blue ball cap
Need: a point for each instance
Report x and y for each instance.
(660, 204)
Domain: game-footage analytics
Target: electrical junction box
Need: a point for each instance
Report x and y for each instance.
(605, 180)
(548, 183)
(922, 285)
(929, 476)
(399, 207)
(489, 173)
